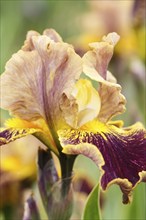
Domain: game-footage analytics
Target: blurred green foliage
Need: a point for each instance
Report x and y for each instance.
(19, 16)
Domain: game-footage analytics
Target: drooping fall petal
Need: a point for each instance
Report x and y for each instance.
(9, 135)
(17, 128)
(123, 152)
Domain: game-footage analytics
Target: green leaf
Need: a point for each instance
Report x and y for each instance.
(92, 209)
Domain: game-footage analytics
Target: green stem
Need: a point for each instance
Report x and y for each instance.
(66, 163)
(8, 212)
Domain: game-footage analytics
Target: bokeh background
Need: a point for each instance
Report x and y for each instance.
(79, 23)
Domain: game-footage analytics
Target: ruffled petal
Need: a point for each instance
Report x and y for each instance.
(95, 61)
(51, 33)
(112, 101)
(63, 67)
(28, 44)
(123, 152)
(43, 75)
(22, 86)
(95, 64)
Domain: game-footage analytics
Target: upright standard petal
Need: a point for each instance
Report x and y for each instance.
(123, 152)
(28, 44)
(63, 67)
(22, 86)
(112, 101)
(51, 33)
(95, 61)
(95, 64)
(42, 75)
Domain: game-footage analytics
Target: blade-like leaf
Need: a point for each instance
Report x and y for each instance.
(92, 209)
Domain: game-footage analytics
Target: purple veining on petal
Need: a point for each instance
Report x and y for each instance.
(5, 134)
(124, 158)
(124, 155)
(10, 134)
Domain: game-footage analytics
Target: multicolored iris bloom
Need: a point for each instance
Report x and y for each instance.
(43, 89)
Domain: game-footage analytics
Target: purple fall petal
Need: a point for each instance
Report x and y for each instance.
(10, 134)
(123, 151)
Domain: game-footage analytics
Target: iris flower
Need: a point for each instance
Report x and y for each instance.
(43, 89)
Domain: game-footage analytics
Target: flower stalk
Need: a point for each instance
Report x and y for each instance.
(56, 193)
(66, 163)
